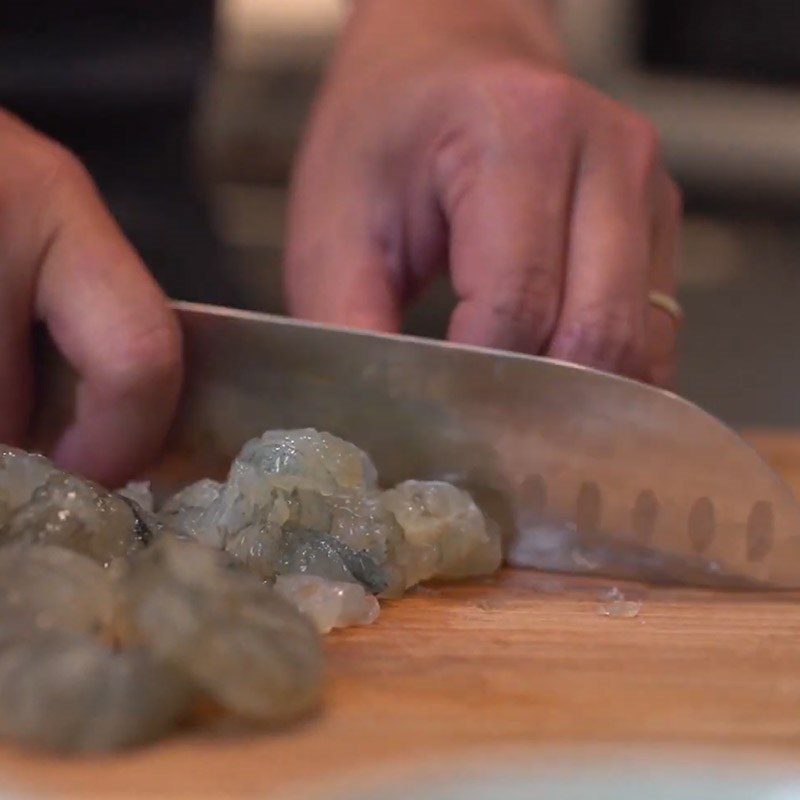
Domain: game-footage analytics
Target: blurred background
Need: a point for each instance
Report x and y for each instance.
(721, 79)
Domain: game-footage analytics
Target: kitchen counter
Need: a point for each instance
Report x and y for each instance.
(518, 659)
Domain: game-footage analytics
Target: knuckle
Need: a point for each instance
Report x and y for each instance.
(529, 306)
(513, 106)
(57, 167)
(558, 97)
(643, 145)
(643, 131)
(606, 339)
(509, 115)
(523, 87)
(674, 200)
(37, 174)
(33, 161)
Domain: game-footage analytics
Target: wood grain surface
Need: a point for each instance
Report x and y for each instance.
(519, 659)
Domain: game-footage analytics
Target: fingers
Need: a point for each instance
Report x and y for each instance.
(77, 273)
(15, 367)
(343, 254)
(546, 199)
(603, 318)
(560, 224)
(662, 329)
(623, 232)
(507, 202)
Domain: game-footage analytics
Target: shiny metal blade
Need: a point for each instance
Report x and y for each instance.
(584, 471)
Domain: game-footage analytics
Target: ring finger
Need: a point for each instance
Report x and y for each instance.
(663, 324)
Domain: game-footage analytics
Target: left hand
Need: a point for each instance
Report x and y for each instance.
(449, 135)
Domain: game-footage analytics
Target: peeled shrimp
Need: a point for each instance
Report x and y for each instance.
(233, 635)
(306, 502)
(64, 682)
(78, 514)
(115, 615)
(329, 604)
(69, 692)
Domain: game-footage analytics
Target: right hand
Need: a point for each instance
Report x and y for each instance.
(65, 263)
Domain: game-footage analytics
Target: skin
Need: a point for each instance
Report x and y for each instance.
(65, 263)
(448, 135)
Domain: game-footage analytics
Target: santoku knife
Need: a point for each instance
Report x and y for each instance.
(584, 471)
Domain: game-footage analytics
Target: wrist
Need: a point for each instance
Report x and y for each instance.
(524, 26)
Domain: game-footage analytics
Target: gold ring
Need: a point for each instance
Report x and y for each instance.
(669, 305)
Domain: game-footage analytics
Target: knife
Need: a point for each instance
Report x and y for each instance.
(584, 471)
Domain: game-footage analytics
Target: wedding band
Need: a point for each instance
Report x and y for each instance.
(669, 305)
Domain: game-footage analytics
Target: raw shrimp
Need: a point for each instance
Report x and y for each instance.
(278, 478)
(80, 515)
(115, 615)
(446, 534)
(69, 692)
(305, 458)
(49, 587)
(233, 635)
(63, 683)
(362, 522)
(417, 531)
(21, 474)
(306, 502)
(315, 553)
(140, 493)
(190, 513)
(329, 604)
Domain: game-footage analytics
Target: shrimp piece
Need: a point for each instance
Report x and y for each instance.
(67, 692)
(21, 474)
(258, 547)
(140, 493)
(329, 604)
(362, 523)
(305, 457)
(80, 515)
(280, 477)
(446, 534)
(306, 502)
(303, 502)
(62, 685)
(191, 513)
(233, 635)
(314, 553)
(104, 641)
(281, 480)
(47, 587)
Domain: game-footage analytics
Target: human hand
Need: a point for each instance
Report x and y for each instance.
(450, 136)
(64, 262)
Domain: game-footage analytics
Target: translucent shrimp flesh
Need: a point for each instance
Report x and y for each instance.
(117, 616)
(307, 502)
(70, 692)
(240, 642)
(66, 682)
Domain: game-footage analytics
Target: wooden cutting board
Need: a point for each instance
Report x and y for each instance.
(519, 659)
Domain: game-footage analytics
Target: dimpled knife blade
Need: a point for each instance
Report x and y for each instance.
(584, 471)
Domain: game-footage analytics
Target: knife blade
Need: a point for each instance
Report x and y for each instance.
(583, 470)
